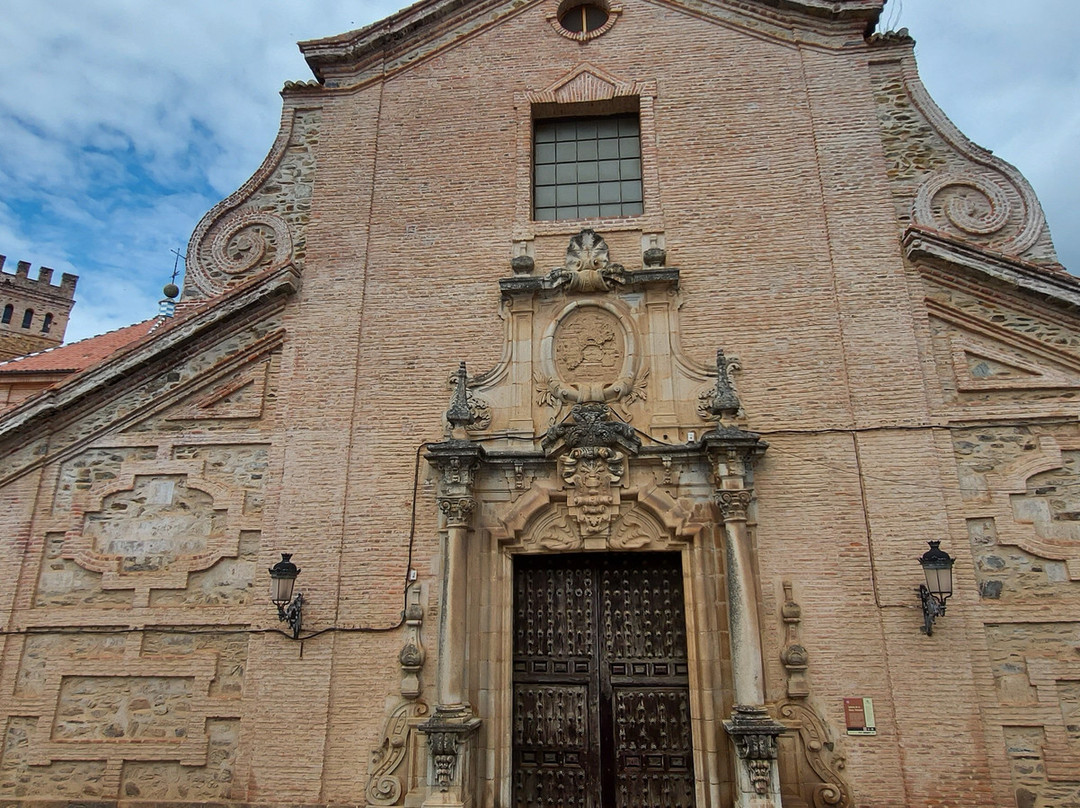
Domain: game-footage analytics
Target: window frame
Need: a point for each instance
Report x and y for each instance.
(586, 90)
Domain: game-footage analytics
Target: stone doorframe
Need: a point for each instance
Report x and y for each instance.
(692, 498)
(662, 524)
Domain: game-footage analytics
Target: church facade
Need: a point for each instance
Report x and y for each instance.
(605, 370)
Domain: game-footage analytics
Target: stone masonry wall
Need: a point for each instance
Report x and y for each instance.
(124, 675)
(1012, 364)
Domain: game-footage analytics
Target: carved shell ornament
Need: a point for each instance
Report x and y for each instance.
(588, 266)
(587, 251)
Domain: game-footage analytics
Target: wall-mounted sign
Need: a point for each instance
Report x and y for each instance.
(859, 716)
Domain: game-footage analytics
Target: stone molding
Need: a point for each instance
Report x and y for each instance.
(250, 297)
(243, 235)
(970, 194)
(1032, 529)
(121, 571)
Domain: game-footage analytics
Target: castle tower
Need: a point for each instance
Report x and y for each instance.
(33, 313)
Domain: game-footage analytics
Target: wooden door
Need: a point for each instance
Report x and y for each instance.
(601, 697)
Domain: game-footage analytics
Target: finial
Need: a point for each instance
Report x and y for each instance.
(167, 307)
(724, 401)
(459, 415)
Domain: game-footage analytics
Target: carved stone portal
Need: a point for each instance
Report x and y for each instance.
(584, 345)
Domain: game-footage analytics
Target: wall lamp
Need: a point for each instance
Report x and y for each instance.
(937, 567)
(282, 579)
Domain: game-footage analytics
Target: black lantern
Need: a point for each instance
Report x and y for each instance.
(937, 567)
(282, 579)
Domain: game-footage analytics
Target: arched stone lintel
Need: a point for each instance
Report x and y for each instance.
(650, 498)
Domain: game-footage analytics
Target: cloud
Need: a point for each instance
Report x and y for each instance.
(123, 121)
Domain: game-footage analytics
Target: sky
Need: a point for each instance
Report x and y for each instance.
(123, 121)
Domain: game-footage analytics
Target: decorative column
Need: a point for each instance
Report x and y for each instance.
(753, 731)
(457, 460)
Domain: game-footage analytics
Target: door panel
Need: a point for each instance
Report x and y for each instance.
(601, 700)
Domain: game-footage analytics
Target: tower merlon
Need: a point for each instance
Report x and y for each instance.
(42, 284)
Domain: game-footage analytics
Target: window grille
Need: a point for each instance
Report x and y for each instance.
(587, 168)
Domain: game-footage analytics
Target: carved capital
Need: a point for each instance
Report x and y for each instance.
(457, 510)
(457, 462)
(733, 504)
(446, 733)
(754, 733)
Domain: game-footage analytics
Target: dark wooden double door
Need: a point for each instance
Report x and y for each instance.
(601, 697)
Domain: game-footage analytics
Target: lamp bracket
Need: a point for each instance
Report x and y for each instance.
(293, 614)
(932, 608)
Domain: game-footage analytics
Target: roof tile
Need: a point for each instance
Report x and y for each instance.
(80, 355)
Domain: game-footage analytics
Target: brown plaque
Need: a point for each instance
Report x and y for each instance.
(859, 716)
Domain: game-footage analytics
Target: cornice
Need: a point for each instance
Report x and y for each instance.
(409, 28)
(1055, 285)
(245, 298)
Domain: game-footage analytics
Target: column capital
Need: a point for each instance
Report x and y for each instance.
(457, 510)
(733, 504)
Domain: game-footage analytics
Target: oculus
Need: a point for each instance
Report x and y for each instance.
(584, 20)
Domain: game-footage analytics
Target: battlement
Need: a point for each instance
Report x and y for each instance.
(41, 285)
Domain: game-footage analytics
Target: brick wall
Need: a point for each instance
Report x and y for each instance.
(785, 165)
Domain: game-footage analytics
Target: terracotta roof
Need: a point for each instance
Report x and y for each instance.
(77, 356)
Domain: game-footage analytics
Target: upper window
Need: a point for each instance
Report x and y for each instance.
(8, 311)
(587, 167)
(27, 318)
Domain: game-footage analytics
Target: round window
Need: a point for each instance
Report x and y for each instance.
(583, 18)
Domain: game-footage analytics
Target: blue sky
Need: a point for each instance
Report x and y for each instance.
(123, 121)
